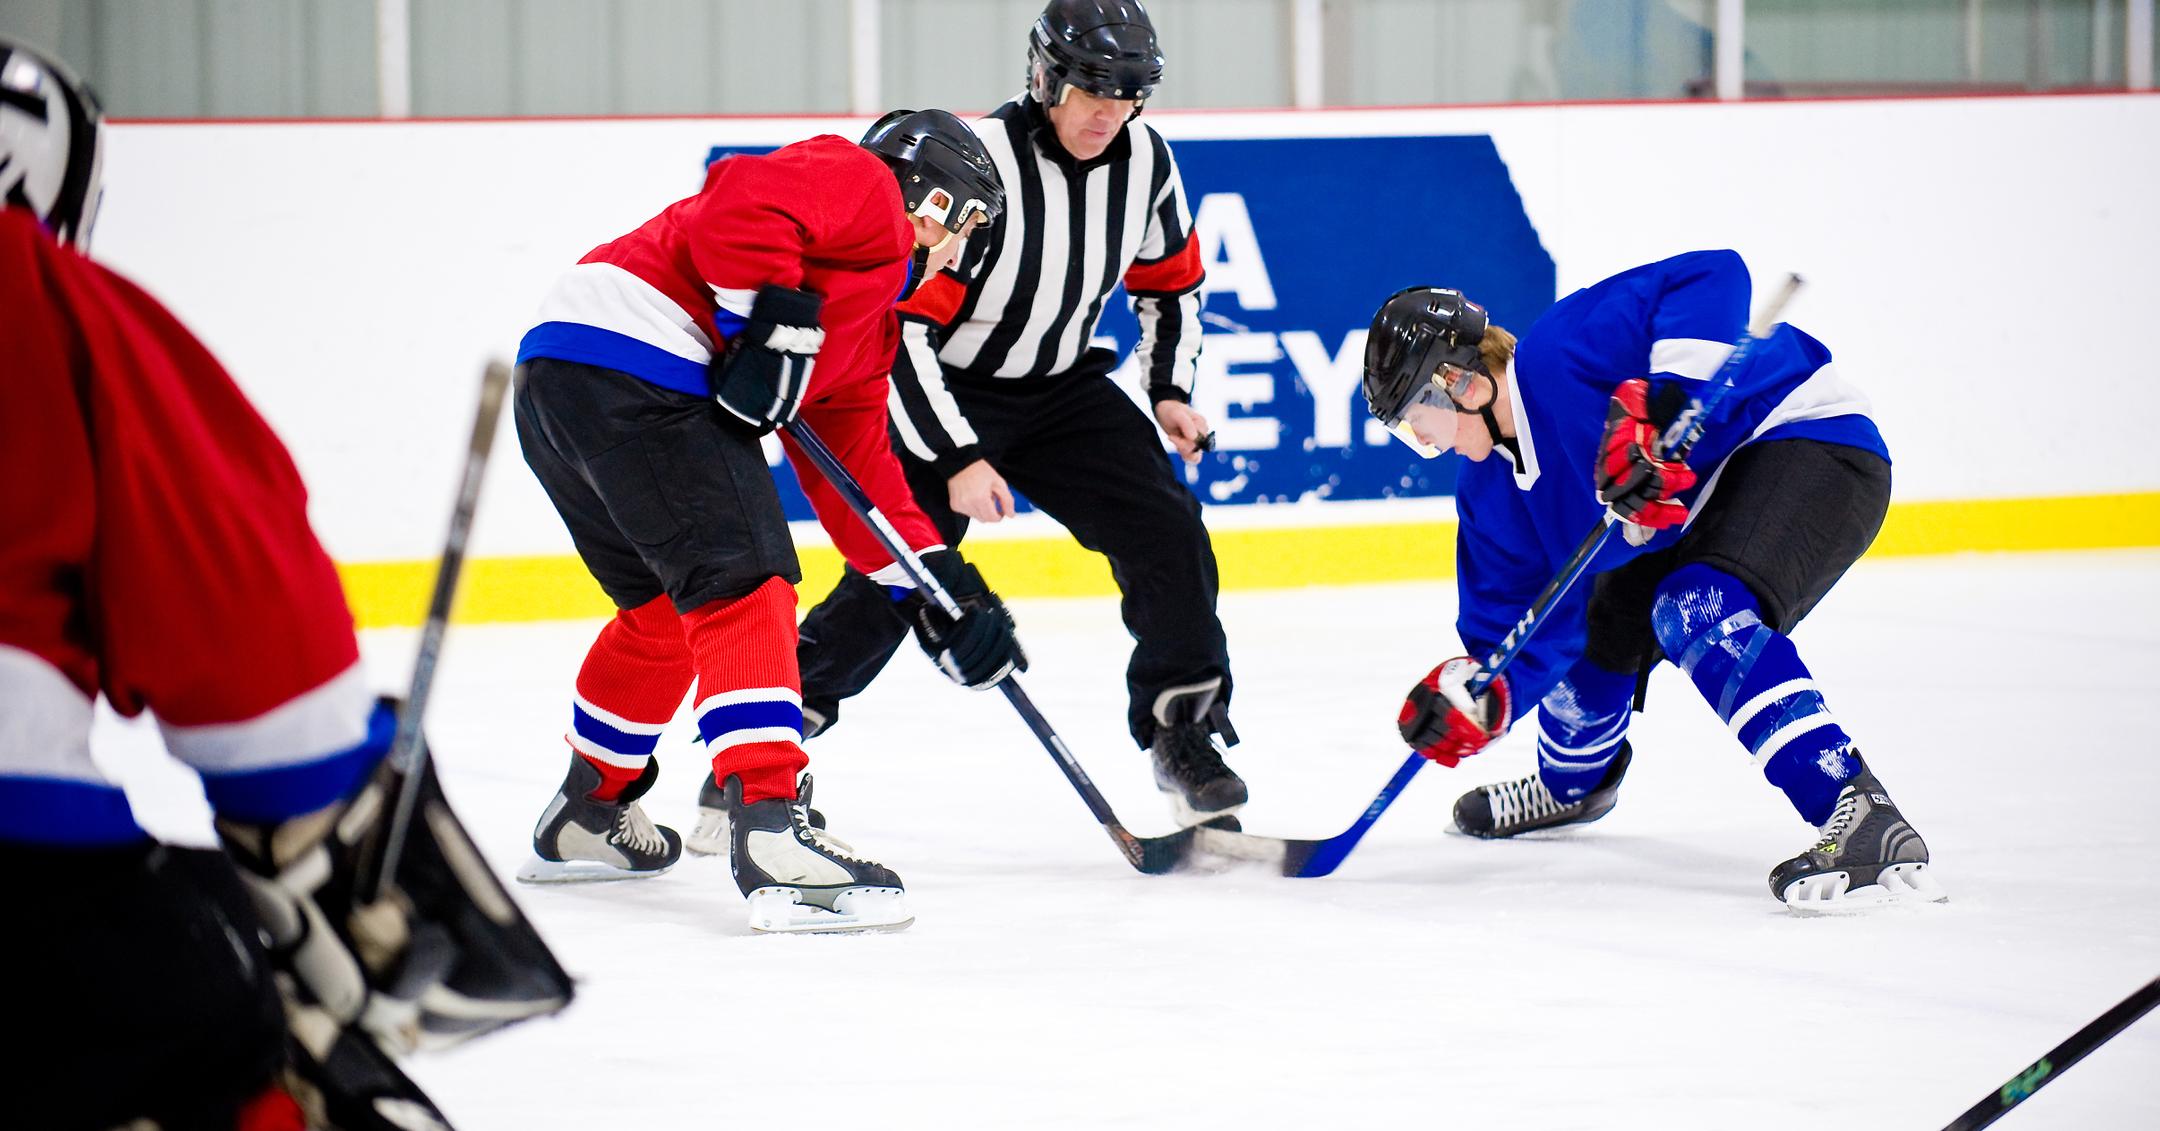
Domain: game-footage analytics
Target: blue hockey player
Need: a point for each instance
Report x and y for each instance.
(1728, 547)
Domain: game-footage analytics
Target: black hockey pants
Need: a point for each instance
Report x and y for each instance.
(1084, 454)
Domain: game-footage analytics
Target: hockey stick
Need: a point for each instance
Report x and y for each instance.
(2059, 1059)
(1152, 855)
(407, 752)
(1309, 858)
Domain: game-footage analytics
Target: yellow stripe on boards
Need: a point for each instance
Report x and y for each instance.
(556, 587)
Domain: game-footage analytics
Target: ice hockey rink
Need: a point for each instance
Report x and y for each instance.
(1634, 973)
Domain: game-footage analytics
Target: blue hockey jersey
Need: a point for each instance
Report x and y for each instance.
(1674, 320)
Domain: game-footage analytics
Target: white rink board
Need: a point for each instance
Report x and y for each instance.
(1983, 267)
(1633, 974)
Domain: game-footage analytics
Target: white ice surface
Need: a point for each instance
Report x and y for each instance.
(1635, 973)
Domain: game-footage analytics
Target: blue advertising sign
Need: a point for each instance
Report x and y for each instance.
(1302, 239)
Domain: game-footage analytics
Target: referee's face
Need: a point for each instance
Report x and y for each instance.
(1086, 123)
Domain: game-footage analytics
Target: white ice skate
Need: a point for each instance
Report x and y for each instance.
(800, 879)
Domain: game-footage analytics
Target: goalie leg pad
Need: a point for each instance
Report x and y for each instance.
(444, 955)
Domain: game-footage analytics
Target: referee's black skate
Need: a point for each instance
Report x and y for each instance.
(581, 838)
(1189, 766)
(1867, 854)
(798, 877)
(1507, 808)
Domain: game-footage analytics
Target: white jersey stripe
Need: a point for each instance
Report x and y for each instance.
(1694, 358)
(610, 298)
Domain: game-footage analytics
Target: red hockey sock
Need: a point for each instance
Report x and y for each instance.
(749, 705)
(633, 679)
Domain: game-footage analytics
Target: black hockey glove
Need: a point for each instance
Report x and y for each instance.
(761, 379)
(442, 956)
(979, 649)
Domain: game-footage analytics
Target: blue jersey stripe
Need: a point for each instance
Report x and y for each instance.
(287, 791)
(74, 814)
(591, 345)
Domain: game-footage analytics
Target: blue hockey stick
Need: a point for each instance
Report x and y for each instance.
(1307, 858)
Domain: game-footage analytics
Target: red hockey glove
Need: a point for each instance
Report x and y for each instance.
(1632, 479)
(1439, 719)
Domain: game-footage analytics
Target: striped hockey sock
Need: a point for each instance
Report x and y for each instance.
(749, 707)
(1581, 723)
(1752, 675)
(634, 677)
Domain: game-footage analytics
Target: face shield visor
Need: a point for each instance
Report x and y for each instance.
(1451, 388)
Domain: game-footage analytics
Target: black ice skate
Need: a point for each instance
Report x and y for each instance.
(709, 837)
(1188, 765)
(798, 877)
(1506, 808)
(581, 838)
(1868, 854)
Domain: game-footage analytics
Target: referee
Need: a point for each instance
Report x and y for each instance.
(997, 388)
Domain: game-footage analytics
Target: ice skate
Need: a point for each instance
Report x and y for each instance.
(1868, 855)
(1189, 766)
(709, 837)
(797, 877)
(1507, 808)
(581, 838)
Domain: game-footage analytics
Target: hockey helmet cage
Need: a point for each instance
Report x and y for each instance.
(1416, 332)
(944, 171)
(52, 140)
(1104, 47)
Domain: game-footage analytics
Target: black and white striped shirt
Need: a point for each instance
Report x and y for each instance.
(1036, 287)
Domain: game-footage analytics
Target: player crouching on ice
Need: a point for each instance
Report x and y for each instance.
(770, 292)
(1785, 490)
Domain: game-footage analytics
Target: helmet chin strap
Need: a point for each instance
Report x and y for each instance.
(1492, 424)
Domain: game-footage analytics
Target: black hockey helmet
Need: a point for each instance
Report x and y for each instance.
(1422, 348)
(944, 171)
(1104, 47)
(52, 143)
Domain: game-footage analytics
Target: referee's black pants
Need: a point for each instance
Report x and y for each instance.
(1084, 454)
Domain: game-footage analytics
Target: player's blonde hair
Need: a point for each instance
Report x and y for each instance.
(1497, 349)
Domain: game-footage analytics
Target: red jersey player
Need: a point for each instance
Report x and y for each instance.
(157, 552)
(658, 363)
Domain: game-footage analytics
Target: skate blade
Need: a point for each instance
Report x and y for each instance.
(1831, 894)
(710, 837)
(536, 870)
(781, 910)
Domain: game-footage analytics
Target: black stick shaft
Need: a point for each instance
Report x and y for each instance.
(858, 500)
(407, 752)
(2039, 1073)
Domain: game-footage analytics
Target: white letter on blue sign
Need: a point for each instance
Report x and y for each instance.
(1332, 381)
(1231, 253)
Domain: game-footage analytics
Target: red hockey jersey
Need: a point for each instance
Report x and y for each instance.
(156, 544)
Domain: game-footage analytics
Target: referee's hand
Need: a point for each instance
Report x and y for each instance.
(1184, 427)
(979, 492)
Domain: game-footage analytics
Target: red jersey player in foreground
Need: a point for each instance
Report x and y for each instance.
(157, 552)
(659, 362)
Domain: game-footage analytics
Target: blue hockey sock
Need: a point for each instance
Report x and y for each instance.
(1711, 626)
(1581, 723)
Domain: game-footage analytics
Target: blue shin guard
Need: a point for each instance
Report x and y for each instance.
(1712, 627)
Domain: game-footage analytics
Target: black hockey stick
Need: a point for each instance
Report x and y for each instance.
(407, 752)
(1152, 855)
(1310, 858)
(2059, 1059)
